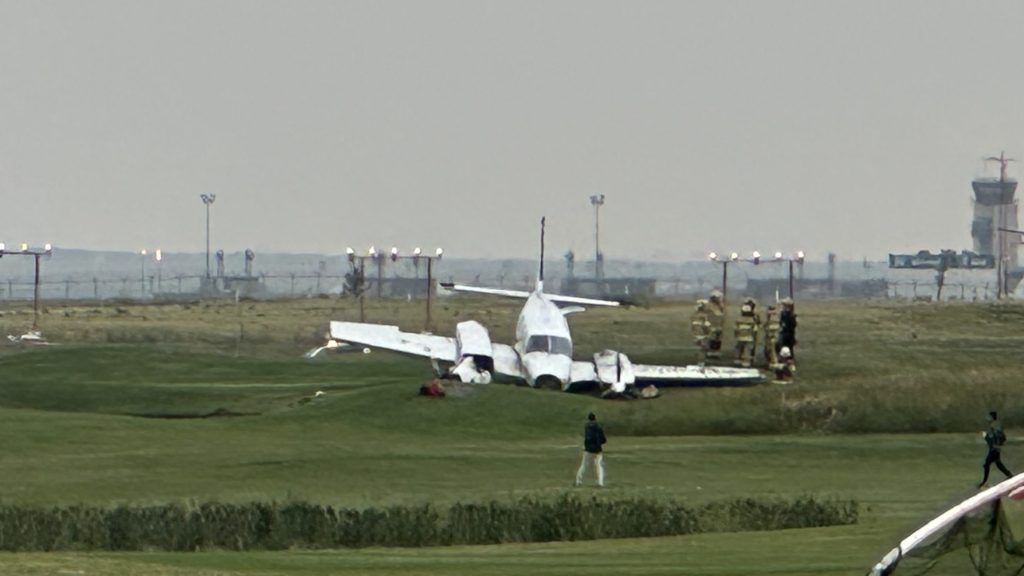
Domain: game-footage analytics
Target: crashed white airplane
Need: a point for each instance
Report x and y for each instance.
(542, 354)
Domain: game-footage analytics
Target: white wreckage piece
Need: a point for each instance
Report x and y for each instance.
(935, 526)
(334, 346)
(30, 337)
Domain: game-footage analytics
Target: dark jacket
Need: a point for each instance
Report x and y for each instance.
(787, 328)
(593, 437)
(994, 437)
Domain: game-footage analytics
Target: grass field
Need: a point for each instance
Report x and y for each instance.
(212, 402)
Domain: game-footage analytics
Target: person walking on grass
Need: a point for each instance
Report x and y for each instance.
(994, 438)
(593, 441)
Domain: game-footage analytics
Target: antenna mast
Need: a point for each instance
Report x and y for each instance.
(1003, 161)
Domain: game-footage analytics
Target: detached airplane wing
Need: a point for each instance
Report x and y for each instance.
(616, 371)
(696, 375)
(391, 338)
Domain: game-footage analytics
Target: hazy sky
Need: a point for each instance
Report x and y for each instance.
(849, 126)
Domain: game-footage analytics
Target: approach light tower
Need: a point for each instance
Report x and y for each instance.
(36, 253)
(207, 200)
(597, 200)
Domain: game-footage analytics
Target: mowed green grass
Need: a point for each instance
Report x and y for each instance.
(111, 416)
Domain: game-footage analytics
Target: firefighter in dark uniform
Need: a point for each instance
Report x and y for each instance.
(771, 335)
(787, 327)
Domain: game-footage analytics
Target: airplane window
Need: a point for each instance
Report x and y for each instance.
(537, 344)
(561, 346)
(552, 344)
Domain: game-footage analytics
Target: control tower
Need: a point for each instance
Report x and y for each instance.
(995, 207)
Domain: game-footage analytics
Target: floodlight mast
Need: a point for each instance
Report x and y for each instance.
(142, 276)
(597, 200)
(159, 269)
(207, 200)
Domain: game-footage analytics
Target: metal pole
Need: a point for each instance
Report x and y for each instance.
(599, 268)
(142, 277)
(35, 299)
(380, 275)
(725, 280)
(430, 286)
(207, 240)
(362, 288)
(791, 279)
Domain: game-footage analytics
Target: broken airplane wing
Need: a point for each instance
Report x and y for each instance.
(391, 338)
(471, 351)
(696, 375)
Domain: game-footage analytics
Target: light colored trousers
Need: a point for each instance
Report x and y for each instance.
(591, 460)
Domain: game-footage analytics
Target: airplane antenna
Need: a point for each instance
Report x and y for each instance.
(541, 276)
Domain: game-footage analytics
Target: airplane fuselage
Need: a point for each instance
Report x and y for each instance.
(543, 342)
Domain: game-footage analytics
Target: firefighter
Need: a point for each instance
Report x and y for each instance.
(716, 321)
(787, 327)
(785, 368)
(700, 327)
(747, 327)
(771, 335)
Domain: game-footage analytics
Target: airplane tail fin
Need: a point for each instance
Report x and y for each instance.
(540, 273)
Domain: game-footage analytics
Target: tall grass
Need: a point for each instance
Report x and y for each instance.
(277, 526)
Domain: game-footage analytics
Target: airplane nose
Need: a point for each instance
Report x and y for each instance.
(548, 382)
(548, 370)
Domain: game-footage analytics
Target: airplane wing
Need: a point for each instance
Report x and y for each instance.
(505, 358)
(391, 338)
(696, 375)
(491, 291)
(616, 371)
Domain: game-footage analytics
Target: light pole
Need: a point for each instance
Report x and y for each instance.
(380, 270)
(207, 200)
(36, 253)
(597, 200)
(142, 276)
(159, 268)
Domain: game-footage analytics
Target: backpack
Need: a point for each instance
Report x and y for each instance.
(1000, 437)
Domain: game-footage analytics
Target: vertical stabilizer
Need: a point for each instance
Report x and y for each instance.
(540, 274)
